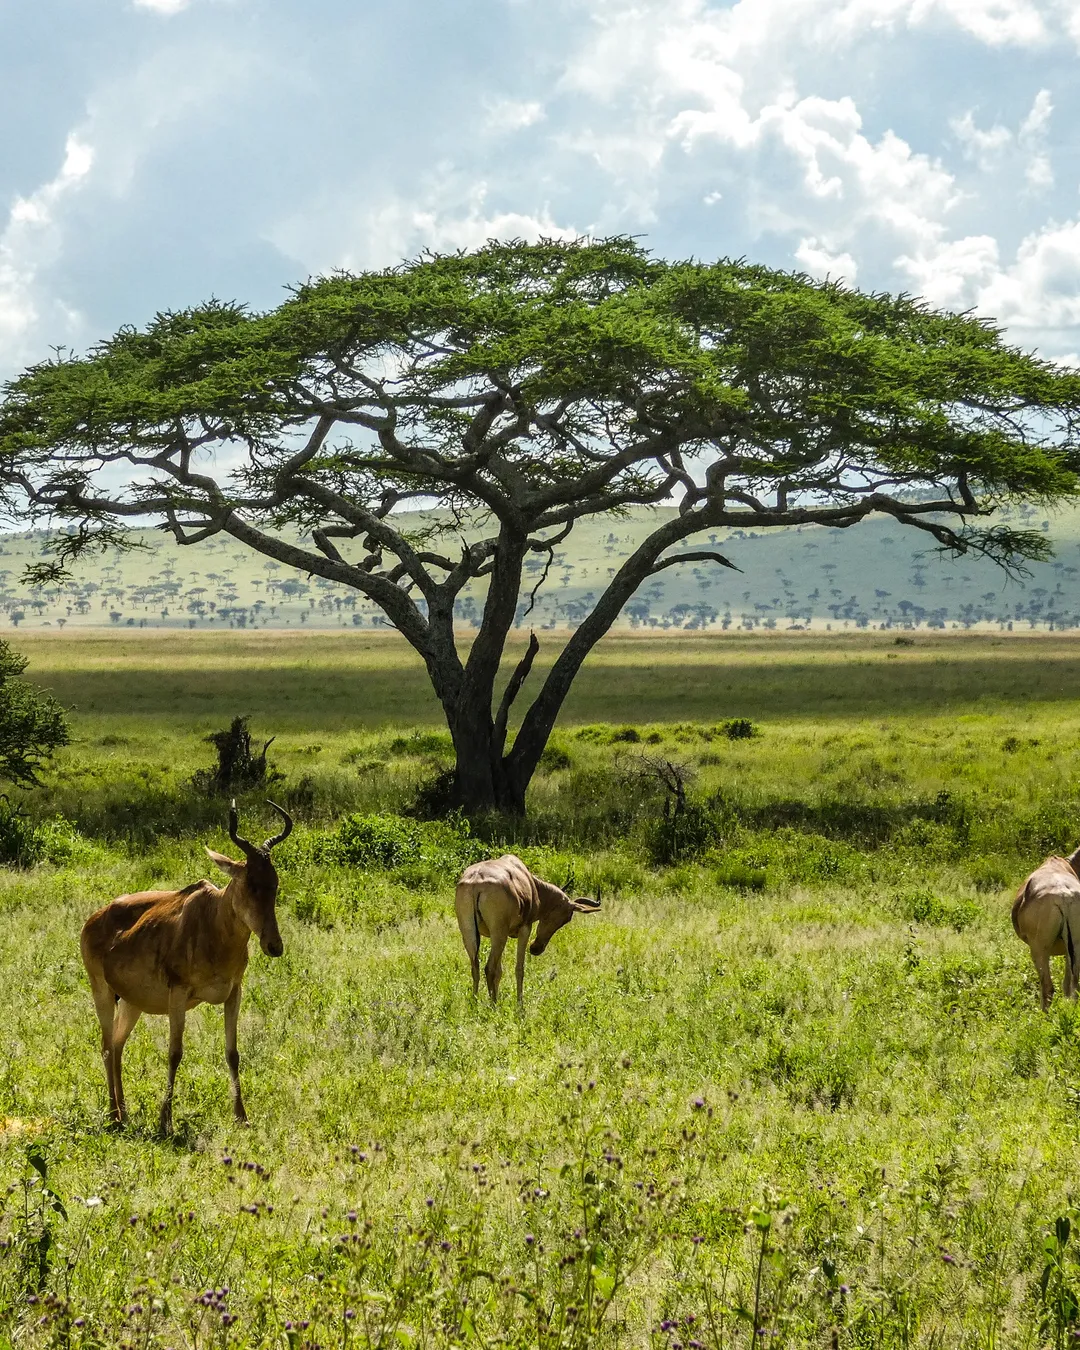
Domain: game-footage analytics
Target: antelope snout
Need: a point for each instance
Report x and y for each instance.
(537, 948)
(271, 943)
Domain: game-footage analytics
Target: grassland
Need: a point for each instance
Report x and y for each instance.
(790, 1087)
(878, 575)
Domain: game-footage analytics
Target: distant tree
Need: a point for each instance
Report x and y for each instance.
(33, 725)
(523, 388)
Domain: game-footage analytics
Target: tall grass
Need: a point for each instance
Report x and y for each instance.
(790, 1087)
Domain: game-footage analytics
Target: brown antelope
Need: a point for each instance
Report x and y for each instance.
(502, 899)
(164, 952)
(1046, 915)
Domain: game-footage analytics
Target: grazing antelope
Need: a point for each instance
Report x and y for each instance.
(164, 952)
(502, 899)
(1046, 915)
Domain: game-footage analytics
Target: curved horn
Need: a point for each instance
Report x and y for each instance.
(234, 820)
(279, 838)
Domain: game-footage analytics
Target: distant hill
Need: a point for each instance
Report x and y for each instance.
(877, 573)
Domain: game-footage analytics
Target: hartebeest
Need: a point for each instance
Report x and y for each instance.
(1046, 915)
(502, 899)
(164, 952)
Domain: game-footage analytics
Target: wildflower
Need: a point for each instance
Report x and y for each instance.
(844, 1289)
(529, 1239)
(698, 1103)
(444, 1245)
(79, 1322)
(948, 1259)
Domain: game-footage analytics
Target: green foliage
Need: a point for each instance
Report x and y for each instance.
(33, 725)
(924, 907)
(411, 848)
(25, 841)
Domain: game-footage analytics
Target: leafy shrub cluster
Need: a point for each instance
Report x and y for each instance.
(924, 907)
(427, 850)
(24, 842)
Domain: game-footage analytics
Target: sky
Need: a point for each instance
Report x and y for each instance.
(159, 152)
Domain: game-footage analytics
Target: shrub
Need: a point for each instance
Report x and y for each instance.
(936, 912)
(739, 729)
(437, 797)
(682, 834)
(417, 852)
(377, 841)
(32, 723)
(237, 769)
(24, 842)
(630, 735)
(555, 758)
(422, 743)
(739, 876)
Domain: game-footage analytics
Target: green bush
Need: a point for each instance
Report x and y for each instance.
(739, 876)
(554, 758)
(24, 842)
(417, 852)
(380, 841)
(681, 835)
(936, 912)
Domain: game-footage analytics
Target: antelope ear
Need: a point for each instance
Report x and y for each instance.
(585, 904)
(230, 868)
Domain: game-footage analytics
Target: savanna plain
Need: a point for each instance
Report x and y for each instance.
(791, 1086)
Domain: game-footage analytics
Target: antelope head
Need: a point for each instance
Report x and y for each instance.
(557, 910)
(256, 881)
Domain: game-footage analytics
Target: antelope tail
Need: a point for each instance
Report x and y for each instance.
(476, 920)
(1070, 942)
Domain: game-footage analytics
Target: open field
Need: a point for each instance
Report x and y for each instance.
(878, 575)
(790, 1087)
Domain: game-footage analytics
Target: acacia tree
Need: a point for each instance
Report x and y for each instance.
(520, 389)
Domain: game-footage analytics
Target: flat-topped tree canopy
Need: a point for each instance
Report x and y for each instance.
(519, 388)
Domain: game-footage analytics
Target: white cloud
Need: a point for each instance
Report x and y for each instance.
(31, 240)
(1041, 289)
(447, 216)
(819, 262)
(984, 147)
(987, 148)
(162, 6)
(507, 115)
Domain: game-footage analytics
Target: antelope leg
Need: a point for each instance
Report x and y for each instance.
(232, 1055)
(493, 969)
(519, 965)
(105, 1007)
(177, 1014)
(127, 1016)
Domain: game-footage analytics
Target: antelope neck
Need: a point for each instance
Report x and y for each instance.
(228, 913)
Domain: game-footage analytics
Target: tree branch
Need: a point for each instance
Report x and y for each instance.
(513, 688)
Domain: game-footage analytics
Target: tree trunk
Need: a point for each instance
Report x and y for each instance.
(484, 778)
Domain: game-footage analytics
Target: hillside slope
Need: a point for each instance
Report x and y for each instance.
(876, 573)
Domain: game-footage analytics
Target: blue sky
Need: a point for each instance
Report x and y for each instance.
(157, 152)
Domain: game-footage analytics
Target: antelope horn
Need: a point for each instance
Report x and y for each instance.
(569, 882)
(234, 820)
(279, 838)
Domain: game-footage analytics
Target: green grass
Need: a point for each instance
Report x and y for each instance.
(793, 1081)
